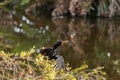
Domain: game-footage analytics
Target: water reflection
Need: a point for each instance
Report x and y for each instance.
(95, 42)
(27, 20)
(18, 30)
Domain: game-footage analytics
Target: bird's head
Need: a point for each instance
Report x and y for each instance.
(60, 42)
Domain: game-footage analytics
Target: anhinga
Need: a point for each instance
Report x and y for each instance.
(53, 54)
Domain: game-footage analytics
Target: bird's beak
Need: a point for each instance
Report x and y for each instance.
(65, 42)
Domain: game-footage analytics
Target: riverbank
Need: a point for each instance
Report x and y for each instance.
(94, 8)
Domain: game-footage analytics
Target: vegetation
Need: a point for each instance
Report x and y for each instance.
(29, 66)
(18, 2)
(102, 8)
(109, 8)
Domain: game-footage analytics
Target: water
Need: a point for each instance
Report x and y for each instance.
(95, 42)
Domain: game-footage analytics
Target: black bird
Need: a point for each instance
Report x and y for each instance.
(53, 54)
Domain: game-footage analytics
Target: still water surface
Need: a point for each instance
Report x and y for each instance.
(95, 42)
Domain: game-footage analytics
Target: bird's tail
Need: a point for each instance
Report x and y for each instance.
(60, 64)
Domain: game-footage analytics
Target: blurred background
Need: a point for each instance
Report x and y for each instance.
(92, 40)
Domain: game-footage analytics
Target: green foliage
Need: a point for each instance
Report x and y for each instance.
(5, 2)
(29, 66)
(14, 2)
(23, 2)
